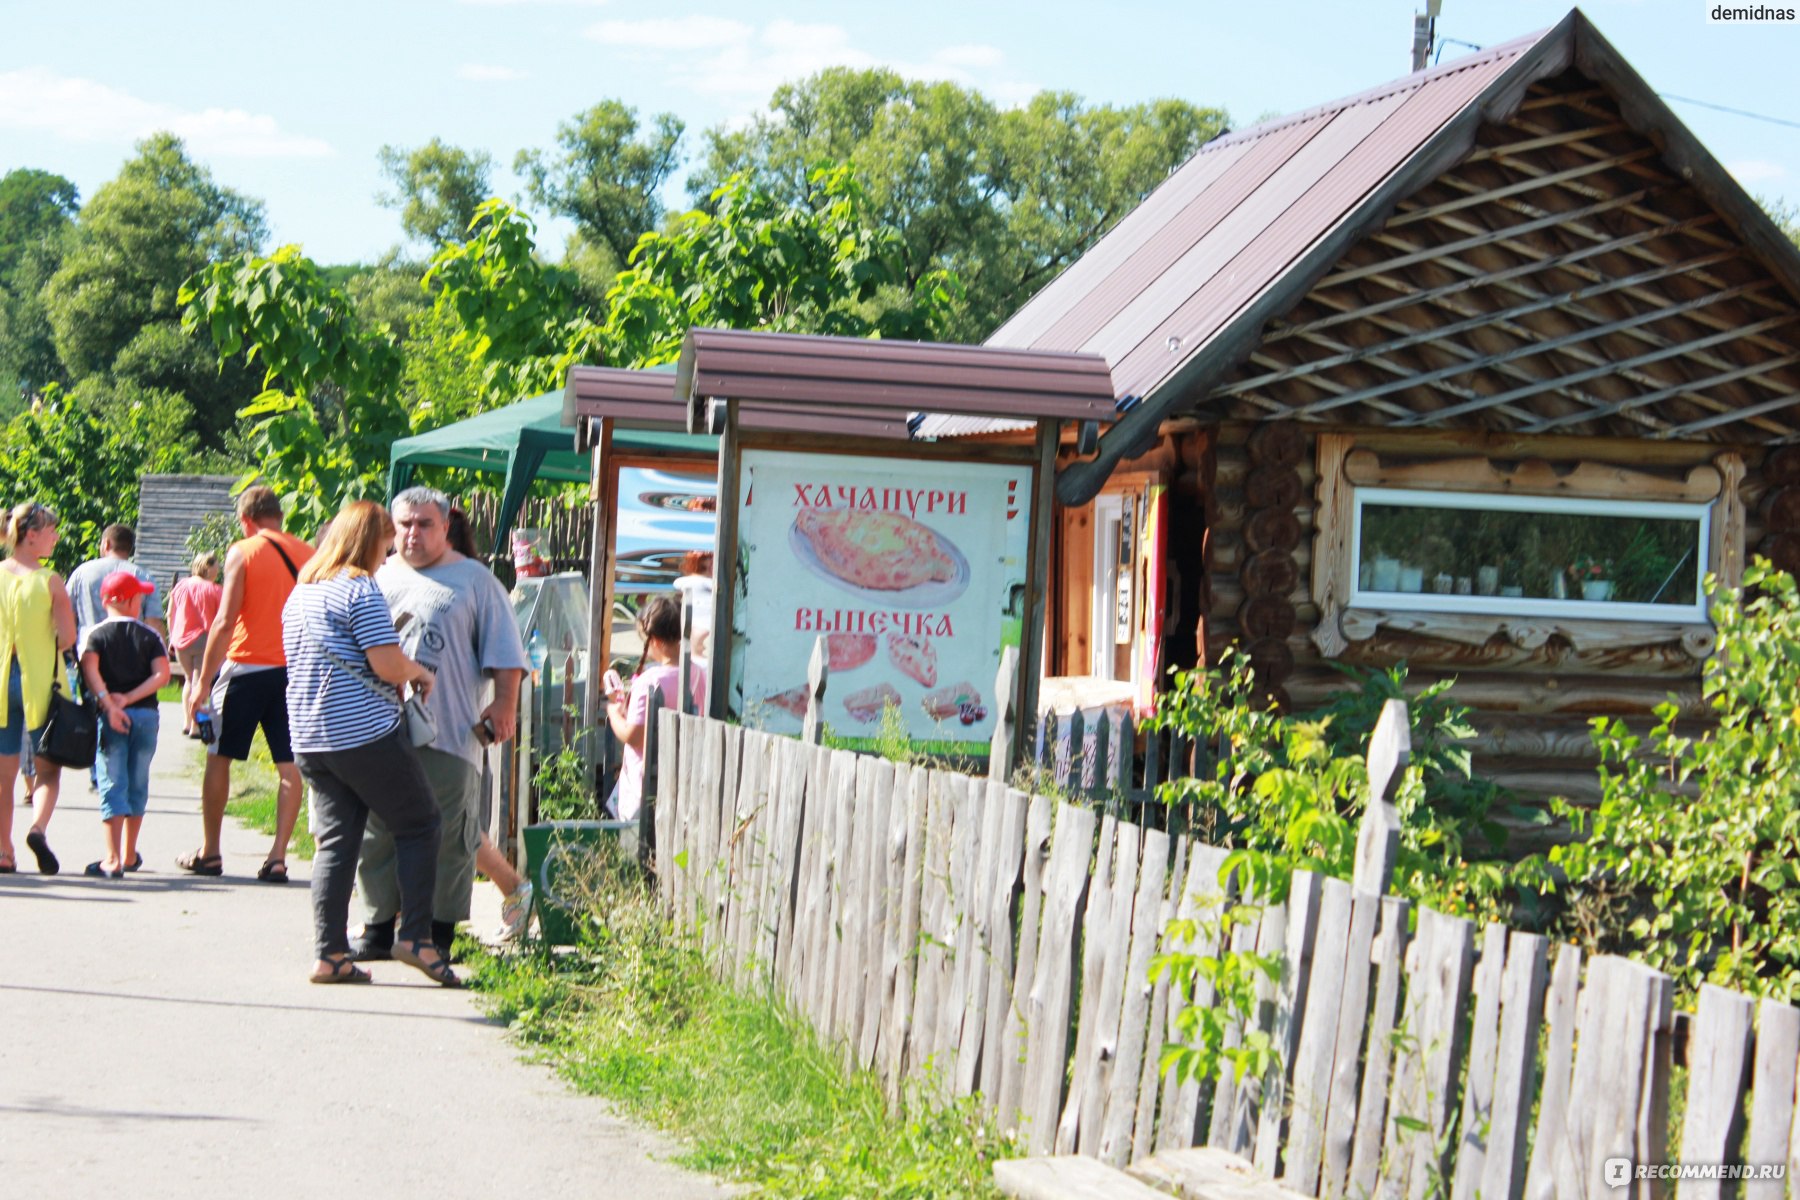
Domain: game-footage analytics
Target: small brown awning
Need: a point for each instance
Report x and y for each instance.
(645, 399)
(835, 384)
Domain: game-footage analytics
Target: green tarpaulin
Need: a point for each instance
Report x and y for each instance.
(525, 442)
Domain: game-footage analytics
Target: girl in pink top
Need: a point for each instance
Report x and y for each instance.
(660, 624)
(193, 604)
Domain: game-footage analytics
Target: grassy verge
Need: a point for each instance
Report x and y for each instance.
(253, 786)
(633, 1015)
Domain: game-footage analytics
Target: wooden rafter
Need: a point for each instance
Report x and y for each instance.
(1704, 423)
(1489, 195)
(1410, 296)
(1623, 406)
(1582, 312)
(1534, 348)
(1455, 328)
(1520, 393)
(1501, 150)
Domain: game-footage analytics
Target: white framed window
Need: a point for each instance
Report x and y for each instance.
(1513, 555)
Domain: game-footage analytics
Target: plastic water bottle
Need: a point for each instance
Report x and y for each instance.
(203, 725)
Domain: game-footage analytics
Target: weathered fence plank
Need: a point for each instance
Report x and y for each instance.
(1772, 1095)
(1128, 1086)
(1473, 1130)
(1562, 1015)
(1718, 1069)
(933, 971)
(1352, 1020)
(917, 782)
(1515, 1066)
(1143, 1130)
(998, 933)
(1187, 1118)
(1110, 1001)
(1095, 928)
(1391, 953)
(959, 928)
(1048, 1005)
(1015, 1034)
(1316, 1049)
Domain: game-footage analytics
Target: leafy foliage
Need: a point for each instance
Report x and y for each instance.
(1704, 831)
(437, 188)
(82, 457)
(1233, 976)
(328, 409)
(608, 174)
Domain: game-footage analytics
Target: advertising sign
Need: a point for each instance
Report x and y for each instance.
(913, 570)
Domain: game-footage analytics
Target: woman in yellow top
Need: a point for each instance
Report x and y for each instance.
(37, 623)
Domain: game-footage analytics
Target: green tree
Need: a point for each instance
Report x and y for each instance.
(436, 187)
(1004, 199)
(329, 408)
(113, 298)
(607, 173)
(37, 211)
(82, 454)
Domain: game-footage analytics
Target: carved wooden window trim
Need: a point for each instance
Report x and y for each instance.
(1343, 468)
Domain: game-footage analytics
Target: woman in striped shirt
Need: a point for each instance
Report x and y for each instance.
(345, 672)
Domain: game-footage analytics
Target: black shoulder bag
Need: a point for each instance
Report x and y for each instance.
(72, 734)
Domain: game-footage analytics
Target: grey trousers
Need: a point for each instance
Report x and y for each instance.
(454, 782)
(382, 778)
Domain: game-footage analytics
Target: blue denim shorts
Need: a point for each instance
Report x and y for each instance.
(12, 734)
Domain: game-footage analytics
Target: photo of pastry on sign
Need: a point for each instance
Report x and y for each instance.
(882, 557)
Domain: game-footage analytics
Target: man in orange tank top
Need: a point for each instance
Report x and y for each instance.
(245, 672)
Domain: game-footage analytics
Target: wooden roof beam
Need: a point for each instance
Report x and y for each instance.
(1476, 321)
(1544, 346)
(1544, 140)
(1411, 296)
(1521, 393)
(1414, 215)
(1646, 336)
(1541, 98)
(1725, 415)
(1705, 423)
(1514, 371)
(1326, 383)
(1484, 239)
(1574, 225)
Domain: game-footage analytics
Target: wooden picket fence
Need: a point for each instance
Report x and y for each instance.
(958, 935)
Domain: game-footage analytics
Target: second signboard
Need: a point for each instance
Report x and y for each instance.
(913, 571)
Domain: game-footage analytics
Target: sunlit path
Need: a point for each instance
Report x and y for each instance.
(162, 1040)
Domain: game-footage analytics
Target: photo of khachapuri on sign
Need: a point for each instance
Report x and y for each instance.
(914, 574)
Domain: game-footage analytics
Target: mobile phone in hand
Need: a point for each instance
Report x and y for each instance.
(612, 683)
(485, 733)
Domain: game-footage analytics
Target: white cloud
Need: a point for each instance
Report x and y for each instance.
(85, 110)
(722, 57)
(483, 73)
(1752, 171)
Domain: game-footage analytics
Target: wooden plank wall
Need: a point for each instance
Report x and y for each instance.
(169, 508)
(959, 936)
(1531, 707)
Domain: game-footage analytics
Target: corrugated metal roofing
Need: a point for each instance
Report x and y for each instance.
(645, 399)
(845, 381)
(1228, 225)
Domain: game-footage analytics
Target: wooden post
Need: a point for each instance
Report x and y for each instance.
(600, 594)
(652, 781)
(1031, 637)
(1006, 716)
(686, 656)
(818, 670)
(1378, 841)
(725, 562)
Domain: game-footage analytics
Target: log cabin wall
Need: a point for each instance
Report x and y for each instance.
(1531, 703)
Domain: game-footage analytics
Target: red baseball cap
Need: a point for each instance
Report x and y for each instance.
(122, 585)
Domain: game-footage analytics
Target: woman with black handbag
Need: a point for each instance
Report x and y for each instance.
(37, 626)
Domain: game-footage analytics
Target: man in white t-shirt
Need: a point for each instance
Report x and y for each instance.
(454, 617)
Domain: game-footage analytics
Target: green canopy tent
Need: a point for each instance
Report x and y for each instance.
(526, 441)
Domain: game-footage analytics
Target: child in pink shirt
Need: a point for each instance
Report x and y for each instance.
(659, 621)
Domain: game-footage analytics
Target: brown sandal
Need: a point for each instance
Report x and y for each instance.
(438, 971)
(342, 971)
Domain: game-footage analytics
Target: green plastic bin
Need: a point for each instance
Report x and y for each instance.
(555, 851)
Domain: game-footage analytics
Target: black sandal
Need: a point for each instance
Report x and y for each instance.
(39, 845)
(438, 971)
(273, 871)
(201, 864)
(342, 971)
(8, 867)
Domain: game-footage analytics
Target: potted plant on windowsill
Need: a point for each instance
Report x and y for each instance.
(1594, 577)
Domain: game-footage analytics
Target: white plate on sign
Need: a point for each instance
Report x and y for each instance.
(932, 594)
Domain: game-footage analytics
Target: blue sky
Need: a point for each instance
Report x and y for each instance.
(289, 102)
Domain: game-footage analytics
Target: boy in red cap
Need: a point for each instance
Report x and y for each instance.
(124, 663)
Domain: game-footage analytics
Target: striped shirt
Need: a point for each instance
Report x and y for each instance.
(335, 700)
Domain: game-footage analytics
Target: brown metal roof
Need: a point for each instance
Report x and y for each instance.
(841, 379)
(1185, 288)
(645, 399)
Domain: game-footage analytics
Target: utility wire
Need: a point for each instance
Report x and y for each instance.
(1736, 112)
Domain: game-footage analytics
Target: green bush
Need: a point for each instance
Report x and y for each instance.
(1696, 840)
